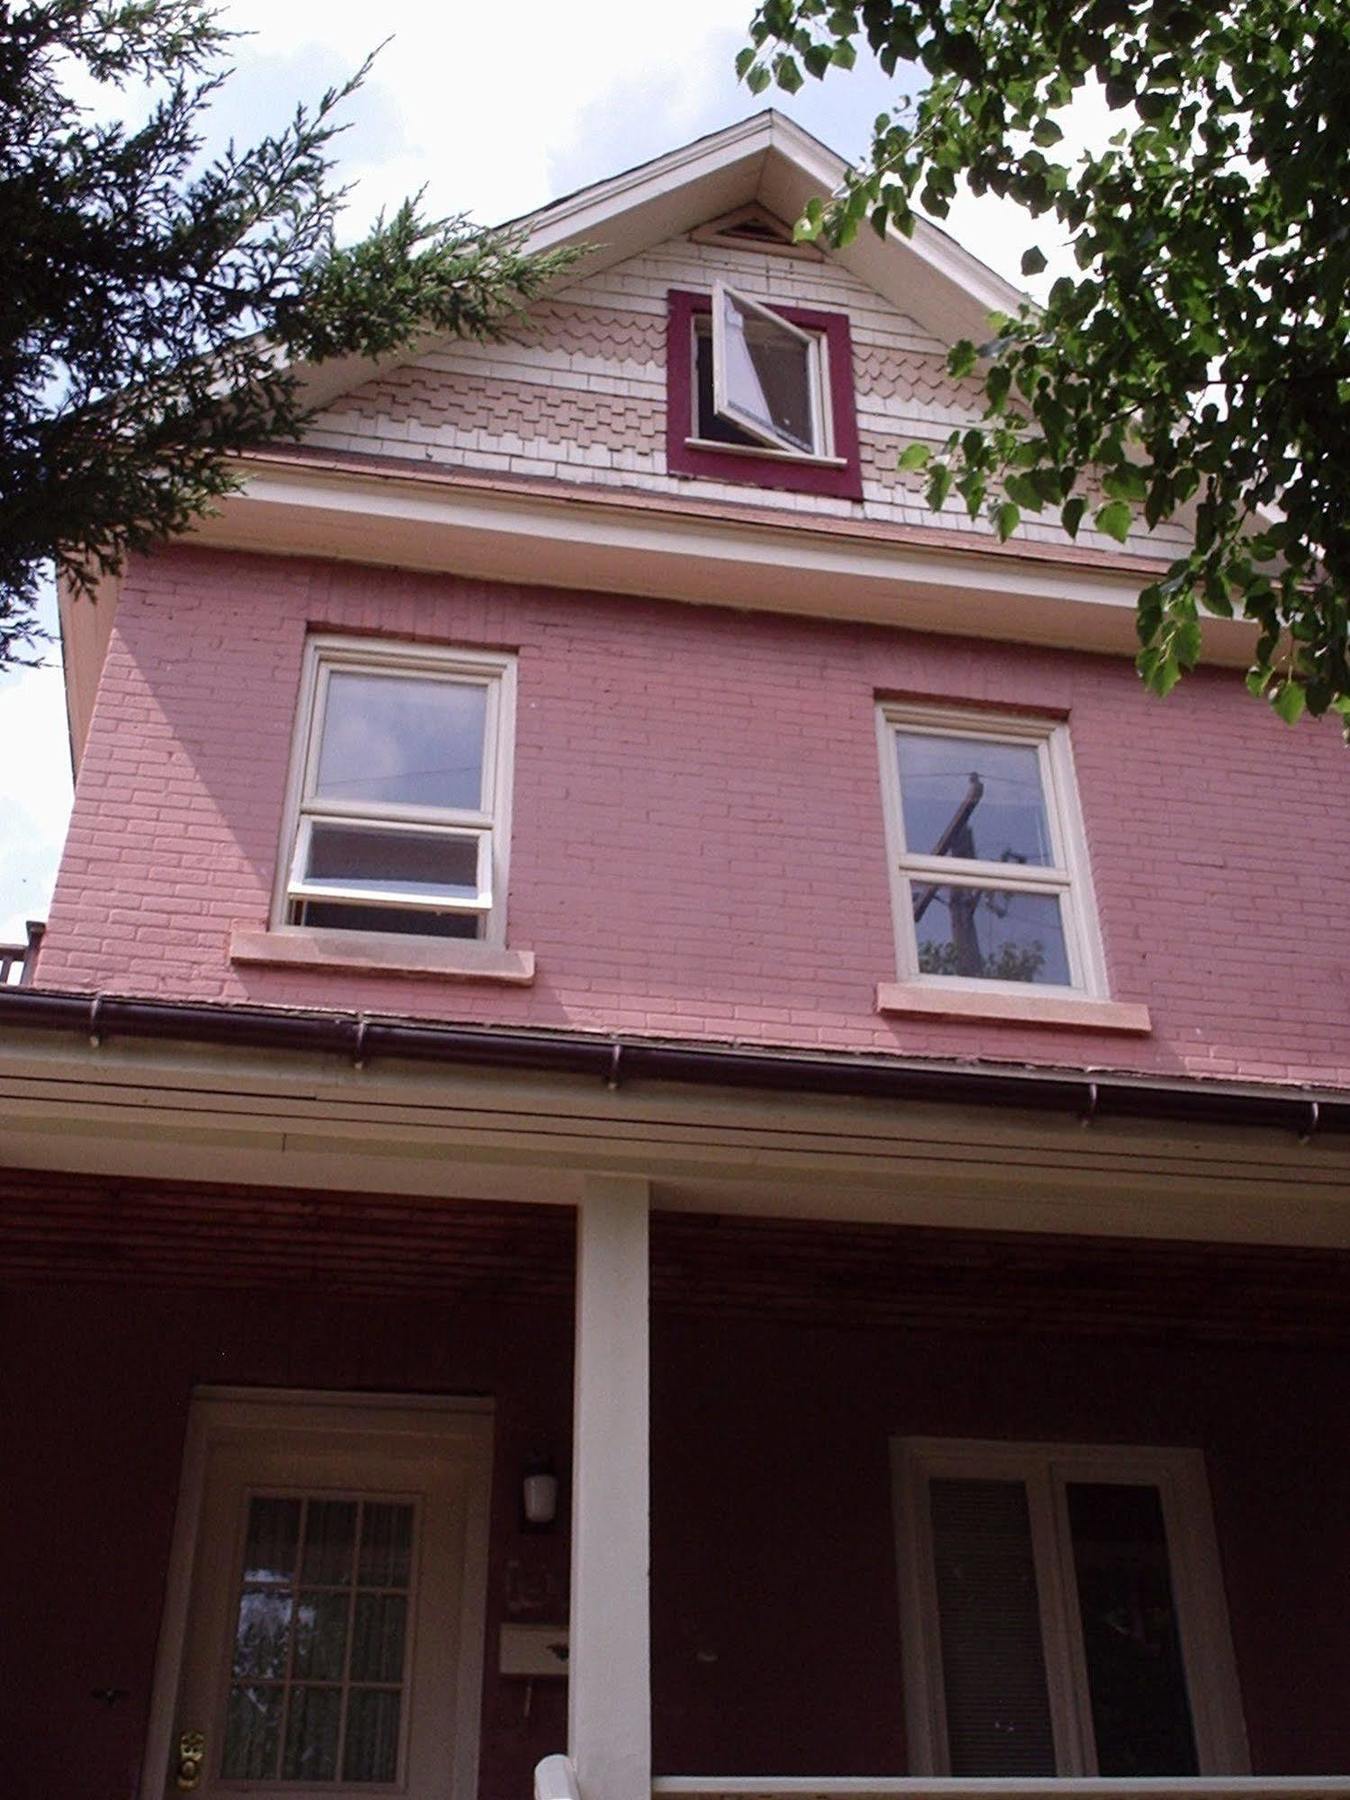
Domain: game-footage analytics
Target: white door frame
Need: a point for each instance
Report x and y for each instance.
(463, 1425)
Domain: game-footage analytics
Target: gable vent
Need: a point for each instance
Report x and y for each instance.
(754, 228)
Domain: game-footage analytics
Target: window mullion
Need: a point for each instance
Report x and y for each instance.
(1065, 1670)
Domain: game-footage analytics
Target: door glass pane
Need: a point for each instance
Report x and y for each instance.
(261, 1633)
(313, 1720)
(386, 1546)
(974, 798)
(273, 1533)
(331, 1618)
(370, 860)
(768, 373)
(402, 740)
(330, 1529)
(993, 1663)
(252, 1732)
(371, 1752)
(1141, 1715)
(989, 933)
(377, 1638)
(321, 1635)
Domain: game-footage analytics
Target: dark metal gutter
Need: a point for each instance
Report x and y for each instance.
(618, 1060)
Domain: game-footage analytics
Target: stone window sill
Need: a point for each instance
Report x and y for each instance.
(918, 1000)
(383, 953)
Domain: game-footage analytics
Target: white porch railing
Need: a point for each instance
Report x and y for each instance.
(555, 1779)
(932, 1787)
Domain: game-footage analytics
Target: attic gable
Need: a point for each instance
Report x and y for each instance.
(765, 168)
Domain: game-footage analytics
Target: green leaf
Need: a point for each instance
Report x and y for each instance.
(787, 74)
(1114, 519)
(1289, 701)
(1125, 482)
(1033, 261)
(939, 485)
(962, 358)
(1046, 134)
(915, 456)
(1006, 520)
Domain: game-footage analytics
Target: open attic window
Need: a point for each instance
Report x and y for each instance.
(754, 228)
(760, 394)
(764, 376)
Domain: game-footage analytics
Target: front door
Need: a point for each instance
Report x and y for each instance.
(332, 1636)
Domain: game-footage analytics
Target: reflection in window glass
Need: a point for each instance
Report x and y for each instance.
(710, 423)
(402, 740)
(973, 798)
(768, 374)
(989, 934)
(1141, 1715)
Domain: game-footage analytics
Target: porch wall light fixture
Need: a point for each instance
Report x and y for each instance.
(539, 1493)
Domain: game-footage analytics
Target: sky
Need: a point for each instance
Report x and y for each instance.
(490, 119)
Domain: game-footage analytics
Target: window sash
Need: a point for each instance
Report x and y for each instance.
(725, 406)
(301, 887)
(328, 666)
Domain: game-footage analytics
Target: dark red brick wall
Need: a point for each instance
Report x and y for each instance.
(776, 1633)
(774, 1541)
(97, 1387)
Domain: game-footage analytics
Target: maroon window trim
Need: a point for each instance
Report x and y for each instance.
(746, 468)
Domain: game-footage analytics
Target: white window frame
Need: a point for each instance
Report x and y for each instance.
(1046, 1469)
(1068, 878)
(488, 825)
(768, 441)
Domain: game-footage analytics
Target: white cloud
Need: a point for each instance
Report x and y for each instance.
(493, 113)
(34, 794)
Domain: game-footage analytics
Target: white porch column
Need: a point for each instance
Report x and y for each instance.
(609, 1668)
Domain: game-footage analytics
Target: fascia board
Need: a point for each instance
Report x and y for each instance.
(86, 623)
(586, 544)
(576, 216)
(929, 275)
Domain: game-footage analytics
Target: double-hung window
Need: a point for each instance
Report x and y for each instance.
(988, 858)
(401, 792)
(1062, 1612)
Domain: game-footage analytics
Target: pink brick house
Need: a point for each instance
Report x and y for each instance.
(661, 1117)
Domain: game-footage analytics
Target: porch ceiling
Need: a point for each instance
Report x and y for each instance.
(150, 1234)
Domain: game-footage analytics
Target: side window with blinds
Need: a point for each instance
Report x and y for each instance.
(989, 1625)
(1062, 1613)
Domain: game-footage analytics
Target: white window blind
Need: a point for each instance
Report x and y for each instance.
(993, 1661)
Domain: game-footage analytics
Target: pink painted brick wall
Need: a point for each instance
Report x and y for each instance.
(697, 846)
